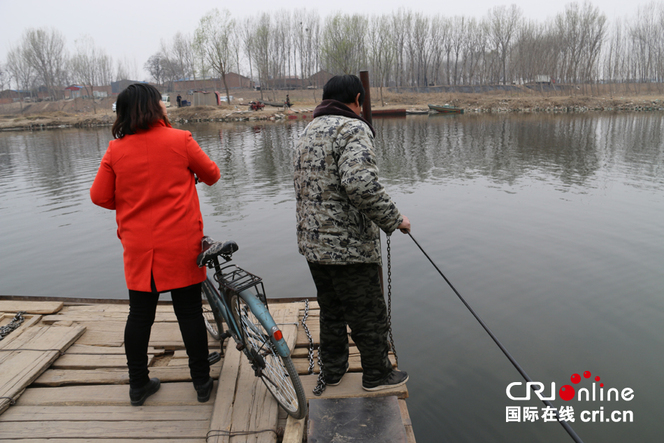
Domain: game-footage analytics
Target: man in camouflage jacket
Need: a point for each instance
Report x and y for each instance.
(340, 208)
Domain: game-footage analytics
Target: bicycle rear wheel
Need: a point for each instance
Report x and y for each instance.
(211, 313)
(277, 372)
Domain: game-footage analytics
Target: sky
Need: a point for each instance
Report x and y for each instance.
(132, 30)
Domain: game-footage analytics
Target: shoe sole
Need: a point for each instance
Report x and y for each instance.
(383, 387)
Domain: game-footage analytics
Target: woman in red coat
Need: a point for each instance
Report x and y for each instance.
(147, 177)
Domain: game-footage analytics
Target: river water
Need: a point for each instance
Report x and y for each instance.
(550, 226)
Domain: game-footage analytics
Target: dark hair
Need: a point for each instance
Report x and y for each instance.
(137, 108)
(343, 88)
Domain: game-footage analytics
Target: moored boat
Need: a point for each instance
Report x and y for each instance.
(446, 109)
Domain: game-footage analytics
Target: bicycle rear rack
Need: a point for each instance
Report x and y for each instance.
(236, 279)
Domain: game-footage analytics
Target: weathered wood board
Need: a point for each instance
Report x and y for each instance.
(27, 356)
(30, 307)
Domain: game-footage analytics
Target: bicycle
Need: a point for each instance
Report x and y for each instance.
(241, 304)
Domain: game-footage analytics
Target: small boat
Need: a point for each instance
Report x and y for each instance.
(416, 111)
(279, 104)
(446, 109)
(388, 112)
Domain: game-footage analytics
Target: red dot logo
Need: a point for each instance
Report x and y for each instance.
(566, 392)
(576, 378)
(587, 374)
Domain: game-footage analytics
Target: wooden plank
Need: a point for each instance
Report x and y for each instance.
(354, 363)
(31, 307)
(65, 377)
(107, 440)
(77, 348)
(351, 386)
(254, 410)
(257, 410)
(94, 316)
(111, 333)
(21, 368)
(29, 414)
(294, 432)
(407, 423)
(170, 394)
(79, 361)
(220, 424)
(173, 429)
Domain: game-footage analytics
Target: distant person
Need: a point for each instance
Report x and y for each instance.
(179, 99)
(340, 208)
(147, 177)
(288, 103)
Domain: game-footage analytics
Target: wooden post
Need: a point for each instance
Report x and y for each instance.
(366, 106)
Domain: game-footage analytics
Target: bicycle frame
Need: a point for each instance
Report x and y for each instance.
(257, 307)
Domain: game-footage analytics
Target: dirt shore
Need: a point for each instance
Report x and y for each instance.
(80, 112)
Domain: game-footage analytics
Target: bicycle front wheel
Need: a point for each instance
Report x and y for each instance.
(211, 314)
(277, 372)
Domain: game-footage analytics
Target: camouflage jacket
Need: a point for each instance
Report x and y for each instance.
(340, 203)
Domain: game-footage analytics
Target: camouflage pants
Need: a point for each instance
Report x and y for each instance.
(351, 295)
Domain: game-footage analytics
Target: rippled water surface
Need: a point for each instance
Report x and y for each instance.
(550, 227)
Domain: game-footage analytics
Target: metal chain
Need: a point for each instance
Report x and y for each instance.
(389, 300)
(320, 383)
(311, 340)
(14, 324)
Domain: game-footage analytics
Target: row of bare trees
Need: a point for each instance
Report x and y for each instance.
(402, 49)
(40, 59)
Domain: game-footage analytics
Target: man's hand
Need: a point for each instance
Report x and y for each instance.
(405, 225)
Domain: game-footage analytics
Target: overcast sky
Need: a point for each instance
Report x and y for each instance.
(133, 29)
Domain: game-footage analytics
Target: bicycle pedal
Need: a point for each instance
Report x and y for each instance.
(240, 346)
(214, 357)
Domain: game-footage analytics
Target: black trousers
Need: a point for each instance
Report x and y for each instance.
(189, 312)
(351, 295)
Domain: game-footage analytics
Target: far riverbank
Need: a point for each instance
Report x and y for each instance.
(80, 112)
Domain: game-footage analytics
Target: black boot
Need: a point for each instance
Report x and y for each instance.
(138, 396)
(203, 391)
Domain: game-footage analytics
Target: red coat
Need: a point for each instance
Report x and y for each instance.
(148, 178)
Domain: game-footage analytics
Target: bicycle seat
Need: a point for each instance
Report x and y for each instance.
(212, 249)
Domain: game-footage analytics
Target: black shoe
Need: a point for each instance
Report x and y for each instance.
(203, 392)
(394, 379)
(334, 381)
(138, 396)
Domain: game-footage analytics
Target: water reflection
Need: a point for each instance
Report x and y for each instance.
(570, 148)
(532, 217)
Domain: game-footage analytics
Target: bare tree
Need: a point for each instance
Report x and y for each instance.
(45, 51)
(176, 59)
(20, 70)
(126, 69)
(4, 77)
(343, 49)
(155, 67)
(214, 40)
(504, 23)
(261, 40)
(246, 36)
(305, 36)
(381, 51)
(90, 66)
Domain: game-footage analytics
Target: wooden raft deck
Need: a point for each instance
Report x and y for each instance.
(63, 378)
